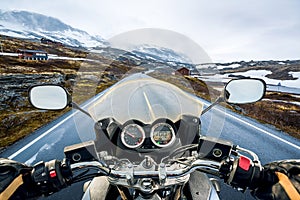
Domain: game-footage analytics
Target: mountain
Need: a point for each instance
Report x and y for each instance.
(29, 25)
(157, 53)
(149, 56)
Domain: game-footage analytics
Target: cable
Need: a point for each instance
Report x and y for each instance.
(180, 150)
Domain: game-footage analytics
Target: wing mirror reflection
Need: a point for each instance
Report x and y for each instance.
(241, 91)
(49, 97)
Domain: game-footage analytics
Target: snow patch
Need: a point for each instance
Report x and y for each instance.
(228, 66)
(254, 73)
(261, 74)
(8, 54)
(282, 101)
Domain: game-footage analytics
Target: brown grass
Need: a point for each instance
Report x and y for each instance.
(15, 126)
(11, 45)
(18, 122)
(275, 109)
(284, 116)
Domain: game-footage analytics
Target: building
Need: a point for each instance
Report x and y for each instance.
(184, 71)
(32, 54)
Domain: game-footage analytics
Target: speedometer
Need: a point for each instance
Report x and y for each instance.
(132, 136)
(162, 134)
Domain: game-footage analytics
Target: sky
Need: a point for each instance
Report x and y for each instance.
(228, 30)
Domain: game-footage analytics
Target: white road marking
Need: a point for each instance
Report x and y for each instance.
(263, 131)
(259, 129)
(40, 137)
(49, 130)
(61, 122)
(149, 106)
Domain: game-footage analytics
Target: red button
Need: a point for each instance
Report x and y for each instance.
(244, 163)
(52, 173)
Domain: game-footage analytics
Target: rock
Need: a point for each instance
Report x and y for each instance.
(14, 87)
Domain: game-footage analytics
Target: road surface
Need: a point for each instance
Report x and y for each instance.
(48, 142)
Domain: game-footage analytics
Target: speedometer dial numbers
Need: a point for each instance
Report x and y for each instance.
(162, 134)
(132, 136)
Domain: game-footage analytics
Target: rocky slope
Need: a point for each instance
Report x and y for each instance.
(29, 25)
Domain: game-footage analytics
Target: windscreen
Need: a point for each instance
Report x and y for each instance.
(145, 76)
(146, 99)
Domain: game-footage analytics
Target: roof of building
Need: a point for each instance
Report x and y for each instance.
(31, 51)
(183, 68)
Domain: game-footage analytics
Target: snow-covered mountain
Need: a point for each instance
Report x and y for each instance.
(152, 52)
(147, 54)
(29, 25)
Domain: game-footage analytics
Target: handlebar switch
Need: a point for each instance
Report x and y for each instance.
(244, 163)
(243, 173)
(51, 176)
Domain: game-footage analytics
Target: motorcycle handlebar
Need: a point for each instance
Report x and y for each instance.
(208, 166)
(240, 172)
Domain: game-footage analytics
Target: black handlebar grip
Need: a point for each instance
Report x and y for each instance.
(52, 176)
(244, 173)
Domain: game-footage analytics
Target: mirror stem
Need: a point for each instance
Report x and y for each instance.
(218, 101)
(74, 105)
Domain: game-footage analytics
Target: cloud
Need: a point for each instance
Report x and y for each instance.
(227, 30)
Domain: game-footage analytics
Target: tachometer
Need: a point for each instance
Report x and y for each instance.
(162, 134)
(132, 135)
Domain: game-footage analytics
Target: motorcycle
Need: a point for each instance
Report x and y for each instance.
(148, 143)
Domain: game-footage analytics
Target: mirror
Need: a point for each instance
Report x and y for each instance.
(49, 97)
(242, 91)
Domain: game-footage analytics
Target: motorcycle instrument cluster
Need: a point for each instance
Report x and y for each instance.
(133, 135)
(161, 135)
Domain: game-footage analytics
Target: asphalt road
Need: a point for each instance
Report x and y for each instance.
(48, 142)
